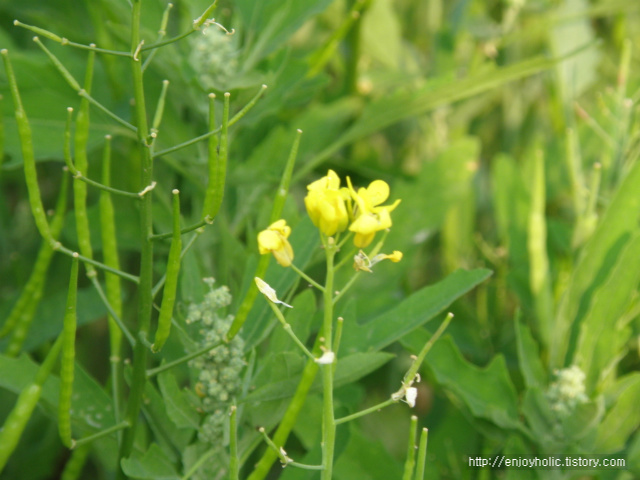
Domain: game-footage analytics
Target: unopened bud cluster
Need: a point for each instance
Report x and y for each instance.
(568, 391)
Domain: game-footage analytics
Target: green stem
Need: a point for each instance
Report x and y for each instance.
(328, 420)
(288, 329)
(103, 433)
(232, 121)
(233, 444)
(194, 468)
(63, 41)
(411, 450)
(366, 411)
(58, 247)
(157, 118)
(422, 455)
(161, 33)
(307, 277)
(282, 456)
(145, 300)
(112, 282)
(181, 360)
(196, 226)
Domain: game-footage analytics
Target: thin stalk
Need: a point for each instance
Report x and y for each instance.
(145, 300)
(194, 28)
(81, 162)
(283, 456)
(307, 277)
(366, 411)
(417, 362)
(422, 455)
(112, 282)
(123, 328)
(75, 464)
(287, 328)
(233, 444)
(73, 83)
(58, 247)
(410, 462)
(63, 41)
(181, 360)
(191, 228)
(232, 121)
(194, 468)
(161, 33)
(108, 431)
(2, 136)
(328, 420)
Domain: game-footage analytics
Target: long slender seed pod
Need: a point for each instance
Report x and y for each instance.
(157, 118)
(410, 462)
(82, 165)
(28, 157)
(422, 455)
(217, 164)
(68, 358)
(162, 31)
(233, 444)
(22, 314)
(17, 419)
(213, 160)
(263, 263)
(171, 283)
(113, 287)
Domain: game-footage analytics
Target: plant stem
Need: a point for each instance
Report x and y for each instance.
(411, 450)
(181, 360)
(422, 455)
(328, 420)
(145, 300)
(233, 444)
(103, 433)
(366, 411)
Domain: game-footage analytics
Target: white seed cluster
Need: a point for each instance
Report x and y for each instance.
(219, 370)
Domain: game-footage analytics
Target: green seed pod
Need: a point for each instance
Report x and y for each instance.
(15, 423)
(68, 357)
(171, 282)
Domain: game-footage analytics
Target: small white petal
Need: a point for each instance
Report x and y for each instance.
(327, 358)
(269, 292)
(411, 395)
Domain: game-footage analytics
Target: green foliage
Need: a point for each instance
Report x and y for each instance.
(510, 132)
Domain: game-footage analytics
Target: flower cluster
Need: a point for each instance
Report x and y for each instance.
(333, 210)
(568, 391)
(219, 369)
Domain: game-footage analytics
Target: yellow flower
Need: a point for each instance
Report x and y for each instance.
(369, 216)
(325, 204)
(274, 240)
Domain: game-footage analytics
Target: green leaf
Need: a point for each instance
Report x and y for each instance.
(153, 465)
(179, 409)
(529, 356)
(540, 417)
(597, 260)
(601, 339)
(348, 370)
(364, 459)
(623, 418)
(411, 313)
(269, 24)
(488, 392)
